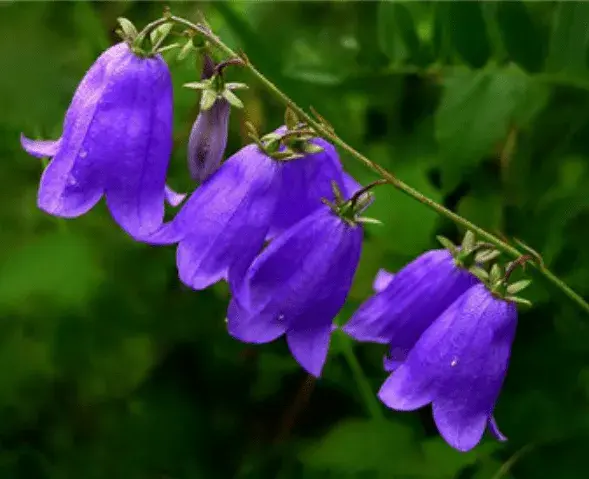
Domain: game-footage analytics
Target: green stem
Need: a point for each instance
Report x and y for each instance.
(368, 396)
(329, 135)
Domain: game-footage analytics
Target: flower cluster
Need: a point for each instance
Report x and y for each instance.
(281, 222)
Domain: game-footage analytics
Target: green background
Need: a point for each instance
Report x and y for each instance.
(110, 368)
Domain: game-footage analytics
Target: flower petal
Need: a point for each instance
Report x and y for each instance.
(494, 428)
(400, 313)
(226, 219)
(173, 197)
(309, 347)
(208, 140)
(40, 148)
(252, 327)
(462, 432)
(382, 279)
(73, 181)
(303, 278)
(406, 390)
(138, 152)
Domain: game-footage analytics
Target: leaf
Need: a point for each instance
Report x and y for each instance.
(468, 32)
(521, 37)
(478, 108)
(58, 269)
(354, 446)
(569, 38)
(397, 35)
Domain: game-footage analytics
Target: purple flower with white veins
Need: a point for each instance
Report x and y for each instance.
(297, 285)
(116, 141)
(408, 303)
(458, 365)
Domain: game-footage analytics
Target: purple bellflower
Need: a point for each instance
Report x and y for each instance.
(297, 285)
(458, 364)
(116, 141)
(208, 138)
(222, 226)
(408, 303)
(225, 222)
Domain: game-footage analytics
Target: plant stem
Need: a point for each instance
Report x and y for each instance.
(371, 403)
(331, 136)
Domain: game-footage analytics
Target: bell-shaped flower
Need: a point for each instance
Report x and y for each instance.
(222, 226)
(116, 141)
(297, 286)
(458, 365)
(408, 303)
(208, 138)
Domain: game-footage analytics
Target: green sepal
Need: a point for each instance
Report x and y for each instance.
(129, 32)
(291, 120)
(167, 48)
(236, 86)
(186, 50)
(468, 242)
(232, 98)
(495, 275)
(518, 286)
(311, 148)
(518, 300)
(208, 99)
(198, 85)
(446, 243)
(486, 255)
(367, 220)
(159, 34)
(480, 273)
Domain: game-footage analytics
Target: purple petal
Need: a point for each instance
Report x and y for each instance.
(226, 219)
(40, 148)
(309, 347)
(73, 181)
(252, 328)
(494, 428)
(406, 390)
(382, 279)
(394, 359)
(173, 197)
(208, 140)
(351, 186)
(138, 151)
(420, 292)
(462, 431)
(303, 278)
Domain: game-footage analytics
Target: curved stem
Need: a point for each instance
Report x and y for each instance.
(327, 133)
(368, 396)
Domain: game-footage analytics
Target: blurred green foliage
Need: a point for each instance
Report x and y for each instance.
(109, 368)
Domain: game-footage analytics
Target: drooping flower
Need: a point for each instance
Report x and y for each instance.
(116, 141)
(458, 364)
(297, 285)
(222, 226)
(208, 138)
(408, 303)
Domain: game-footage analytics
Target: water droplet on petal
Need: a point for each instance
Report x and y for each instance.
(280, 317)
(83, 153)
(71, 181)
(454, 361)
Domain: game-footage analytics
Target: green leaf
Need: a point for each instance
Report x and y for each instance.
(521, 37)
(468, 32)
(569, 38)
(477, 110)
(354, 446)
(397, 35)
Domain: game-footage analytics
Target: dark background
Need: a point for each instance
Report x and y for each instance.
(109, 368)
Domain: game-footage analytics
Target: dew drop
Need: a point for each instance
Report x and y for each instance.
(280, 317)
(454, 361)
(83, 153)
(71, 181)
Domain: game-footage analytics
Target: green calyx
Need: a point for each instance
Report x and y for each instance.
(293, 144)
(215, 88)
(478, 258)
(138, 41)
(350, 210)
